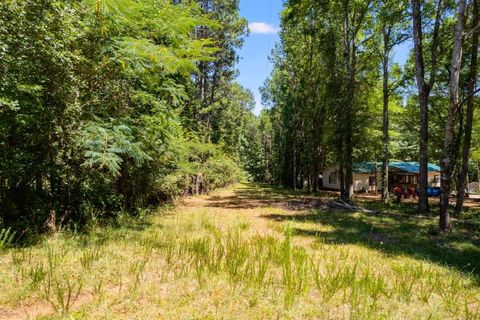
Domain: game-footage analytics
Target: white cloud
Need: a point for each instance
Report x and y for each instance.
(262, 28)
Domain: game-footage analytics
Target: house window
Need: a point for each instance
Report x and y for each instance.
(406, 179)
(413, 179)
(333, 178)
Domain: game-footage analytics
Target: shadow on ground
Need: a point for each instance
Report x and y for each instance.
(391, 233)
(400, 236)
(252, 196)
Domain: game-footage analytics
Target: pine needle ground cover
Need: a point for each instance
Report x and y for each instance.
(247, 253)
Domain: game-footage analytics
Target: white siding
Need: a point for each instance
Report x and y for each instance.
(326, 179)
(432, 181)
(360, 180)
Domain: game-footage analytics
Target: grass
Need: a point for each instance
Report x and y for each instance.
(6, 238)
(239, 254)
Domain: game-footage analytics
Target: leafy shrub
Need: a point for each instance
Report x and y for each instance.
(203, 167)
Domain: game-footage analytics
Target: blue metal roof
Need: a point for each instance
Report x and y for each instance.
(410, 167)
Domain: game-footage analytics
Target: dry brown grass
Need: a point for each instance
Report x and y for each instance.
(205, 260)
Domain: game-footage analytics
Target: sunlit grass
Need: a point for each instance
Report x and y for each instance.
(234, 261)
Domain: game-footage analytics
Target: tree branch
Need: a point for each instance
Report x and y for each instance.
(468, 97)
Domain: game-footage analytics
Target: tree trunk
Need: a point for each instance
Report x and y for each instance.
(344, 116)
(350, 65)
(294, 171)
(463, 177)
(422, 87)
(386, 96)
(423, 206)
(349, 162)
(349, 133)
(478, 172)
(197, 184)
(447, 163)
(341, 171)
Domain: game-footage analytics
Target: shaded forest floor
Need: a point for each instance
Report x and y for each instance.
(250, 252)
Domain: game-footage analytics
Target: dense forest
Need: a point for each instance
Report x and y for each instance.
(111, 106)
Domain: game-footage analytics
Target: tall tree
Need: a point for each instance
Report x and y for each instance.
(355, 14)
(471, 86)
(447, 159)
(424, 88)
(392, 18)
(214, 78)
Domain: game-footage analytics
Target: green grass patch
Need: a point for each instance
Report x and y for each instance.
(247, 259)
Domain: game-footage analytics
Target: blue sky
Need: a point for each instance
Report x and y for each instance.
(254, 65)
(264, 19)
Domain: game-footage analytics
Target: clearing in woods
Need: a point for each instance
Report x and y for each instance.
(248, 252)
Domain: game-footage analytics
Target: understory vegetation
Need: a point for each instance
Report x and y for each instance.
(240, 253)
